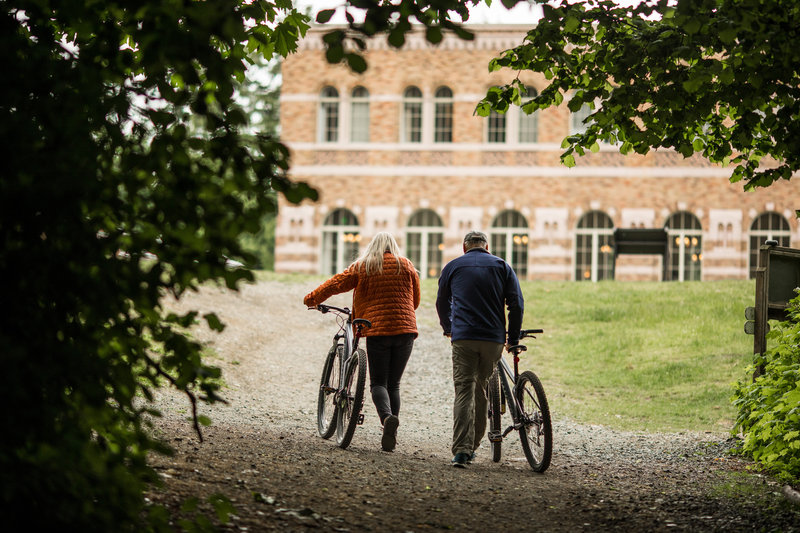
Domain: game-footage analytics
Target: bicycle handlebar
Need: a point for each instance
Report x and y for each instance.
(358, 322)
(322, 308)
(524, 334)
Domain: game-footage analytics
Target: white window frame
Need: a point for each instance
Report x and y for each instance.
(326, 105)
(359, 110)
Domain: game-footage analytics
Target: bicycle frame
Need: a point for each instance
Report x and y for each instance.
(505, 374)
(348, 335)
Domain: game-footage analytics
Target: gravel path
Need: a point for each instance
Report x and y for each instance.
(263, 451)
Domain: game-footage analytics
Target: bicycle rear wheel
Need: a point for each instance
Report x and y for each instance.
(326, 401)
(351, 399)
(493, 393)
(536, 431)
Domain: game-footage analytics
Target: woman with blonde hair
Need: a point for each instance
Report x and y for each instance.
(386, 292)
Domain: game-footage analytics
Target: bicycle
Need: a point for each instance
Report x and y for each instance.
(341, 389)
(527, 403)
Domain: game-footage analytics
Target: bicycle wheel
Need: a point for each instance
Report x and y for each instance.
(328, 385)
(493, 393)
(351, 399)
(536, 431)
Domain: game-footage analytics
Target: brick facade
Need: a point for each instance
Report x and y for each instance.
(469, 181)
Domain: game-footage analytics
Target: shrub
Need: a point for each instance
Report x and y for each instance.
(769, 406)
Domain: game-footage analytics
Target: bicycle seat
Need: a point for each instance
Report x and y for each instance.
(362, 322)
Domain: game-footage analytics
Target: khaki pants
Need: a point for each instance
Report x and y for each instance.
(473, 363)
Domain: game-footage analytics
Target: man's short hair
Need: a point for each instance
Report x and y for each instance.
(475, 238)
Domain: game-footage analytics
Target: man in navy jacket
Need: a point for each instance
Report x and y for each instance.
(474, 291)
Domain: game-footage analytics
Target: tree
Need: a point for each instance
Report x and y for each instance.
(259, 94)
(127, 177)
(714, 77)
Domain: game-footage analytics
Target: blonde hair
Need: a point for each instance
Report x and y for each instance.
(372, 258)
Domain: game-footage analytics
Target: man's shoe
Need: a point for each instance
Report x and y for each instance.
(460, 460)
(389, 439)
(470, 458)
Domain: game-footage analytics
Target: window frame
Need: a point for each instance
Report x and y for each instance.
(685, 247)
(429, 227)
(509, 238)
(329, 116)
(359, 115)
(344, 238)
(598, 241)
(412, 134)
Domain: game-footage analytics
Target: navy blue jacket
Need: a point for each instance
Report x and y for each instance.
(473, 291)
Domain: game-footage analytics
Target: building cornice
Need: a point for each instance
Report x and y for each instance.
(492, 37)
(548, 172)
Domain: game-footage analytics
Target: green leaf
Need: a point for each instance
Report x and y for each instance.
(433, 34)
(571, 24)
(334, 54)
(568, 160)
(484, 109)
(325, 15)
(356, 63)
(214, 322)
(397, 38)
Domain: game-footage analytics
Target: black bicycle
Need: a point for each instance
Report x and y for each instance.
(341, 389)
(527, 404)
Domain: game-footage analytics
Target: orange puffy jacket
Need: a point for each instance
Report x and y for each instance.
(388, 299)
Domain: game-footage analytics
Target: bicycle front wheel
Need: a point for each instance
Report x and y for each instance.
(535, 431)
(326, 401)
(351, 399)
(495, 435)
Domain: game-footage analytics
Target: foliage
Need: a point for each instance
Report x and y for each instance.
(369, 18)
(261, 245)
(711, 77)
(259, 94)
(769, 406)
(126, 178)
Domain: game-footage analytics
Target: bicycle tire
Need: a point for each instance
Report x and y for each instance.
(351, 401)
(493, 393)
(536, 430)
(326, 400)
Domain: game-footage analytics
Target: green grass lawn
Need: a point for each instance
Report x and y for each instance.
(652, 356)
(640, 356)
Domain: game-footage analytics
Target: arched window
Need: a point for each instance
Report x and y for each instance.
(359, 115)
(340, 238)
(594, 247)
(528, 124)
(328, 119)
(685, 246)
(765, 227)
(509, 239)
(425, 242)
(443, 115)
(412, 116)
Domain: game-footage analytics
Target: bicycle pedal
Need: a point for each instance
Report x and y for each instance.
(360, 419)
(494, 437)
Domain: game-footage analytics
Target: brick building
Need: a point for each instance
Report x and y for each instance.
(400, 149)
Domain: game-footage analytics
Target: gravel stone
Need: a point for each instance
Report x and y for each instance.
(263, 452)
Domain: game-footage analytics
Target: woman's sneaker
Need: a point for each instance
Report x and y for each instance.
(389, 439)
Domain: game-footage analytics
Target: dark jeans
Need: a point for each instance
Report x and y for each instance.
(387, 357)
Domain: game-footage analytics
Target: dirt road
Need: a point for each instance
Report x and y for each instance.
(264, 454)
